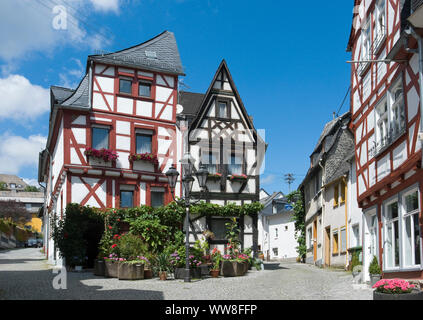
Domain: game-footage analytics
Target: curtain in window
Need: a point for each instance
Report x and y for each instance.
(144, 143)
(100, 138)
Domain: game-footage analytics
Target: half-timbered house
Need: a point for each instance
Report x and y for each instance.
(386, 108)
(223, 138)
(112, 139)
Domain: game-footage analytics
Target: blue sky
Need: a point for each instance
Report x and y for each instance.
(288, 61)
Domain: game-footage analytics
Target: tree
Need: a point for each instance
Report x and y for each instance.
(296, 199)
(2, 186)
(15, 211)
(31, 189)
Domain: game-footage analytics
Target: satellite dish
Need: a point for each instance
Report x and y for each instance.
(179, 108)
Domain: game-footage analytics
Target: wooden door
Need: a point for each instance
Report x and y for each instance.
(327, 247)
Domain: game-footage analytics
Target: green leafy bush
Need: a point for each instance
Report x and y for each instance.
(130, 247)
(374, 267)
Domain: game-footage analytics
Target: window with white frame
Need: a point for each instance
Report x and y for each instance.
(391, 241)
(373, 235)
(209, 160)
(355, 239)
(380, 24)
(397, 109)
(310, 237)
(411, 229)
(235, 165)
(382, 123)
(365, 47)
(390, 116)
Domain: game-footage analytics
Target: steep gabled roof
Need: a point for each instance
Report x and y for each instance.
(60, 94)
(158, 54)
(206, 98)
(191, 102)
(80, 97)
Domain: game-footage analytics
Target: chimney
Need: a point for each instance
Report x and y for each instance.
(334, 115)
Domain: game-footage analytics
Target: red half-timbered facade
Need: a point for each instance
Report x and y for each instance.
(386, 121)
(126, 104)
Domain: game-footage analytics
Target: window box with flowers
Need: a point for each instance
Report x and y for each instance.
(214, 176)
(238, 178)
(102, 157)
(396, 289)
(143, 161)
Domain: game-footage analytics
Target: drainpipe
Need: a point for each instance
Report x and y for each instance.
(346, 219)
(412, 32)
(323, 208)
(45, 226)
(50, 179)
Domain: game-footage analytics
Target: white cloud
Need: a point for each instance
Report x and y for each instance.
(22, 100)
(35, 28)
(268, 180)
(19, 152)
(106, 5)
(70, 78)
(31, 182)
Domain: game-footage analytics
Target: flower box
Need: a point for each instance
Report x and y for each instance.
(233, 268)
(130, 271)
(238, 178)
(414, 295)
(195, 273)
(102, 157)
(111, 268)
(143, 161)
(214, 176)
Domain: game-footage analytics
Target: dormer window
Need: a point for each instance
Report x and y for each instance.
(125, 85)
(12, 186)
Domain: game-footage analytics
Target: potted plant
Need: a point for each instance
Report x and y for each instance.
(101, 157)
(374, 271)
(396, 289)
(214, 176)
(162, 262)
(111, 264)
(216, 257)
(133, 269)
(178, 262)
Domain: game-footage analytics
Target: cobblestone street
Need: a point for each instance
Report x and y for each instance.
(24, 274)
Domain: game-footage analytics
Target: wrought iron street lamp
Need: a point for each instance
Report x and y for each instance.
(187, 184)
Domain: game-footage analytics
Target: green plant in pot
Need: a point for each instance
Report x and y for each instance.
(162, 264)
(216, 258)
(374, 271)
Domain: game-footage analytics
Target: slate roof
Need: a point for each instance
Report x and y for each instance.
(415, 4)
(191, 102)
(158, 54)
(80, 96)
(10, 178)
(60, 94)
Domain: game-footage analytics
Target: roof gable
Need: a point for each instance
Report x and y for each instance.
(158, 54)
(222, 83)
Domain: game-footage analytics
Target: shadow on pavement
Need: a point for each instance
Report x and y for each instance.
(38, 285)
(273, 266)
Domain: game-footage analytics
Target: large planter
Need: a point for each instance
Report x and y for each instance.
(99, 268)
(130, 271)
(233, 268)
(111, 269)
(195, 273)
(374, 278)
(99, 162)
(414, 295)
(142, 165)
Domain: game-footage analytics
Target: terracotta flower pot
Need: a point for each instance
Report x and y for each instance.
(163, 275)
(214, 273)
